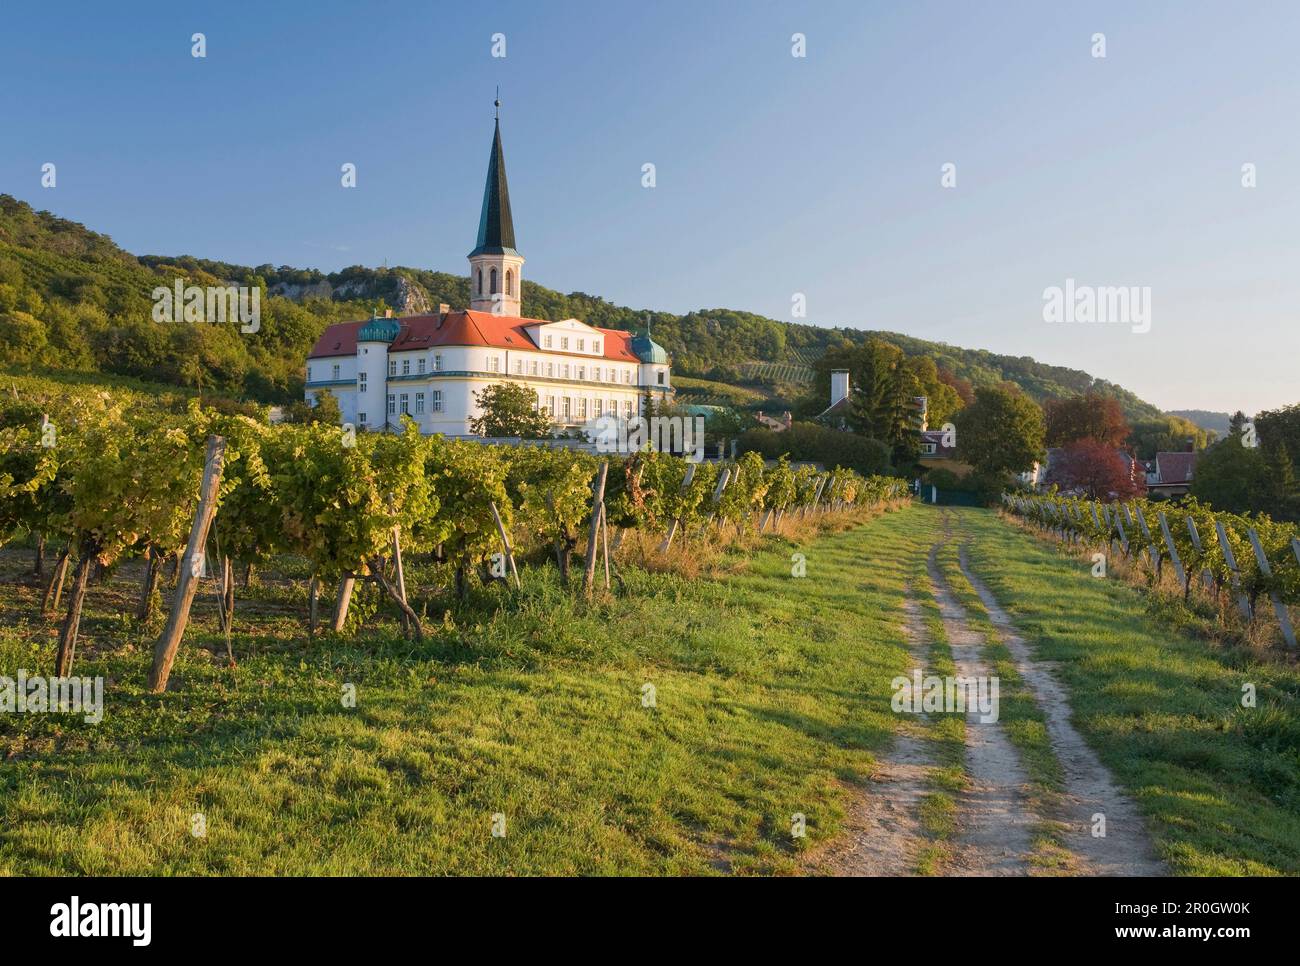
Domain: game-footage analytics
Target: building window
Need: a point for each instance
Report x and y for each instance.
(392, 367)
(550, 406)
(510, 282)
(392, 404)
(627, 375)
(361, 420)
(534, 367)
(595, 374)
(309, 373)
(437, 363)
(600, 408)
(480, 281)
(406, 367)
(566, 370)
(419, 404)
(422, 364)
(582, 372)
(494, 364)
(564, 342)
(492, 281)
(550, 370)
(519, 367)
(546, 341)
(565, 403)
(595, 346)
(582, 345)
(582, 409)
(406, 404)
(334, 373)
(613, 408)
(628, 409)
(361, 382)
(661, 378)
(437, 401)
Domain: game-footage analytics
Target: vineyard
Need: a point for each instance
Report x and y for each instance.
(201, 494)
(777, 372)
(1234, 560)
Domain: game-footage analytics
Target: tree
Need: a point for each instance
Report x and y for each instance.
(1001, 432)
(1087, 416)
(1231, 476)
(1167, 434)
(1281, 491)
(509, 409)
(809, 441)
(1097, 471)
(326, 411)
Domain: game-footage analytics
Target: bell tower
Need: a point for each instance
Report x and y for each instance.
(495, 267)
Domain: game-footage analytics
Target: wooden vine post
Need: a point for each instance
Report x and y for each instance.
(1265, 568)
(343, 601)
(672, 528)
(399, 571)
(597, 512)
(505, 542)
(1173, 551)
(164, 652)
(1243, 602)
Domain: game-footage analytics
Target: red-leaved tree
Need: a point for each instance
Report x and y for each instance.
(1097, 471)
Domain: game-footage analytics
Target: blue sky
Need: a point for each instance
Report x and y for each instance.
(775, 175)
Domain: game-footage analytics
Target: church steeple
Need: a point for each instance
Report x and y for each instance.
(494, 264)
(496, 227)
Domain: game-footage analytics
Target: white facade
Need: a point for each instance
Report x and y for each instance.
(436, 386)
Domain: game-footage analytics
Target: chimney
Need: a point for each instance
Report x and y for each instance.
(388, 313)
(839, 385)
(443, 309)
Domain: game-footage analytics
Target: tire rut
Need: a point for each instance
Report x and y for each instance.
(1090, 790)
(882, 830)
(995, 821)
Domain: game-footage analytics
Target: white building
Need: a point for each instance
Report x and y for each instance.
(431, 366)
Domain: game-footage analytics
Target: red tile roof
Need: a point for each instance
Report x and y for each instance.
(1175, 467)
(463, 328)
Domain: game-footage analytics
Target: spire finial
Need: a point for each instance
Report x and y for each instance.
(497, 103)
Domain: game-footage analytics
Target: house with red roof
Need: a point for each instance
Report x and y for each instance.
(430, 368)
(1170, 474)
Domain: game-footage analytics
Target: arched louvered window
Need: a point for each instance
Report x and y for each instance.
(492, 280)
(480, 281)
(510, 282)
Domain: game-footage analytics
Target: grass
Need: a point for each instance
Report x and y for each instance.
(1219, 783)
(771, 698)
(771, 693)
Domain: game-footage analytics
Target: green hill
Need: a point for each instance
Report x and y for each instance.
(71, 299)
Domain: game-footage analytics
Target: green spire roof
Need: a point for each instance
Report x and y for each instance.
(379, 330)
(496, 228)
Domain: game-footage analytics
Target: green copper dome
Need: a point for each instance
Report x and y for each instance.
(648, 350)
(379, 330)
